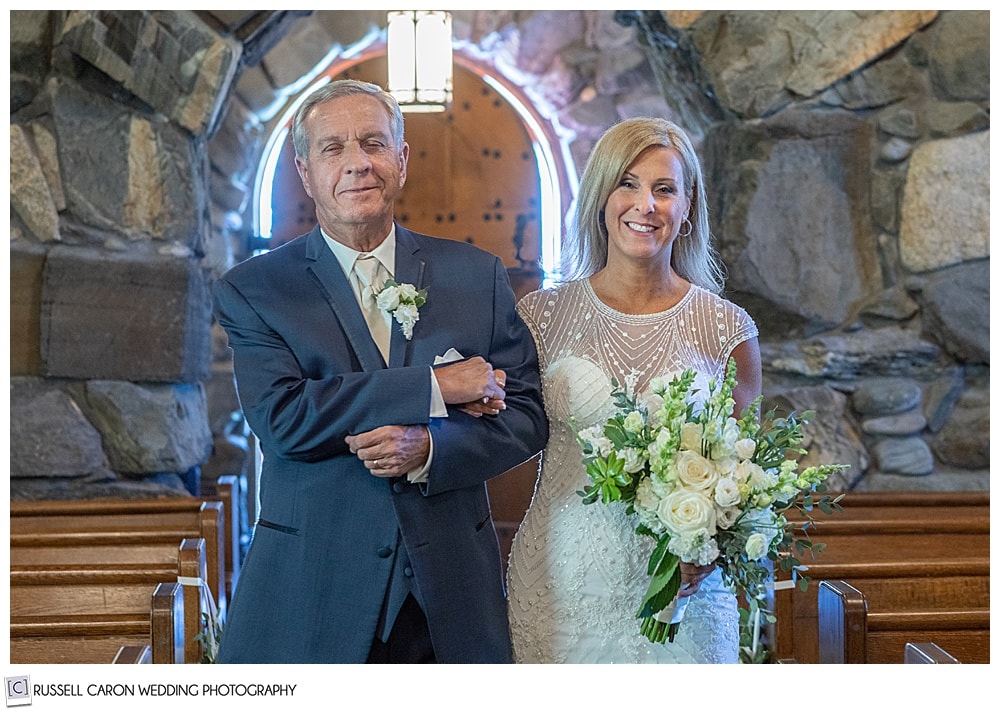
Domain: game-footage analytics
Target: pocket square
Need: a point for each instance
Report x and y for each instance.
(450, 356)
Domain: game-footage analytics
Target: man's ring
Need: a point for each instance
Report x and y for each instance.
(375, 464)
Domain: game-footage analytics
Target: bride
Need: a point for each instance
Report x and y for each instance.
(641, 301)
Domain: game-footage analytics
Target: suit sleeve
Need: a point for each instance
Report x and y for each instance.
(470, 450)
(307, 418)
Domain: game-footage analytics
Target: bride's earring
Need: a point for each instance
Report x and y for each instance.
(690, 228)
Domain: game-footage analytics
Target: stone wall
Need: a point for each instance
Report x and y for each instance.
(846, 155)
(111, 315)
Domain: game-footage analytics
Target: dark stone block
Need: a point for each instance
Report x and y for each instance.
(125, 317)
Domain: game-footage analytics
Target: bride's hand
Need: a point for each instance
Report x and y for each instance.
(691, 577)
(490, 405)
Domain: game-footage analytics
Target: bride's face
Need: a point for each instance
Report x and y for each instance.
(645, 210)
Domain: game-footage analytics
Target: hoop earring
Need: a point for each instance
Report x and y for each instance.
(689, 230)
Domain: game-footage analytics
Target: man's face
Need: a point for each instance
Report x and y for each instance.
(353, 170)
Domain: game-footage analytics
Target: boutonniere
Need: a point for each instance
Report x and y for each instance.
(401, 301)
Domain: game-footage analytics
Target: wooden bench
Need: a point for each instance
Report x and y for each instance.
(174, 562)
(880, 536)
(852, 632)
(127, 522)
(227, 489)
(115, 614)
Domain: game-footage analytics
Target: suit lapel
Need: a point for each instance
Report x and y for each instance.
(324, 268)
(409, 270)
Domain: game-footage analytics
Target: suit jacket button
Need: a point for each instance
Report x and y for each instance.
(408, 571)
(384, 552)
(398, 487)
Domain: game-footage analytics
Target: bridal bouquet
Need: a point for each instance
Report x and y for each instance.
(709, 488)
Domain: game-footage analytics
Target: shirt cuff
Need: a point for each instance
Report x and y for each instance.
(438, 408)
(419, 476)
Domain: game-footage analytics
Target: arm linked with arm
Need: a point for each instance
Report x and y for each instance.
(469, 450)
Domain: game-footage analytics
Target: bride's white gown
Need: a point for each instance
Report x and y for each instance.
(576, 573)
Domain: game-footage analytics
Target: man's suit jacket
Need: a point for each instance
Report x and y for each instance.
(308, 374)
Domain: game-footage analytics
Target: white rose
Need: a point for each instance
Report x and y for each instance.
(388, 299)
(407, 292)
(691, 436)
(633, 422)
(687, 511)
(745, 448)
(756, 546)
(634, 459)
(727, 492)
(726, 517)
(695, 471)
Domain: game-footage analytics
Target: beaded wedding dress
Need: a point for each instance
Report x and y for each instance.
(577, 573)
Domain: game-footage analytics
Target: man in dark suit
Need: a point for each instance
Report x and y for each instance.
(374, 541)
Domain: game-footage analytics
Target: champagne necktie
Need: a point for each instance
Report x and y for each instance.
(371, 276)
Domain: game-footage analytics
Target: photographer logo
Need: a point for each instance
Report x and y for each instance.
(18, 690)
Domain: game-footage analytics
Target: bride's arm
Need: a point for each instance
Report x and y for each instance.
(748, 375)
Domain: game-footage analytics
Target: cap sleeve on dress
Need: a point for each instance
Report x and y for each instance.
(532, 312)
(740, 327)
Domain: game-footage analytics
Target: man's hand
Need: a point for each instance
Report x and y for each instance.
(487, 406)
(393, 450)
(473, 385)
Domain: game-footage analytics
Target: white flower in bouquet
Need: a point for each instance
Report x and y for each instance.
(695, 472)
(691, 437)
(745, 448)
(635, 460)
(687, 511)
(756, 546)
(634, 422)
(727, 493)
(694, 547)
(727, 517)
(594, 438)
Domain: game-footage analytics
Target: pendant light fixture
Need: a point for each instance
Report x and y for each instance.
(420, 63)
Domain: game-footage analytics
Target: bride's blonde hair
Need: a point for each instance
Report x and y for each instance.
(586, 251)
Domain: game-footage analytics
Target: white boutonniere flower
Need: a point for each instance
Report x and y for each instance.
(402, 301)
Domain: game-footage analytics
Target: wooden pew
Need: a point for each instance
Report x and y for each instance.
(879, 536)
(135, 614)
(174, 562)
(853, 632)
(227, 490)
(125, 521)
